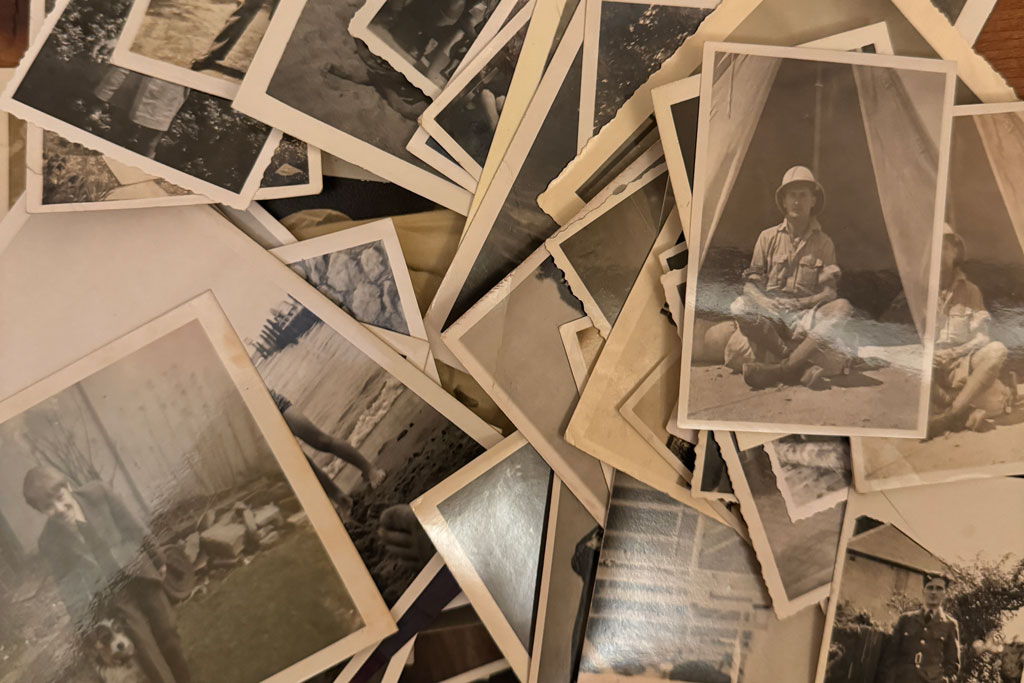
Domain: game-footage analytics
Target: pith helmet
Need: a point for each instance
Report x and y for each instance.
(801, 174)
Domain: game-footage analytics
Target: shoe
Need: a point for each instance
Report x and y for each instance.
(202, 63)
(376, 477)
(976, 420)
(762, 375)
(813, 377)
(937, 425)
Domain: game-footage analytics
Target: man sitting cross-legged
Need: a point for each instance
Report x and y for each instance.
(789, 316)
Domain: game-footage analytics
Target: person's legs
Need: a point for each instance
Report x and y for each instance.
(154, 603)
(759, 327)
(304, 429)
(233, 30)
(799, 367)
(984, 367)
(147, 649)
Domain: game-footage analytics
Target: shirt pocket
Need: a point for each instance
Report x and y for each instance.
(808, 271)
(958, 324)
(777, 274)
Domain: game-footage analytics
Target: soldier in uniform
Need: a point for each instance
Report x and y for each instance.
(789, 315)
(924, 646)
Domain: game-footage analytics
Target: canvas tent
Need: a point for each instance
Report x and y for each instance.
(869, 133)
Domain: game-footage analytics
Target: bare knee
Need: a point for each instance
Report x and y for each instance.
(837, 309)
(740, 307)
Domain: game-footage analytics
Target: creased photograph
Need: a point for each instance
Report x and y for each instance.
(797, 557)
(188, 138)
(928, 586)
(974, 406)
(162, 524)
(702, 614)
(831, 324)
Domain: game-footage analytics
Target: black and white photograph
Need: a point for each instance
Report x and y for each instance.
(676, 107)
(582, 343)
(975, 413)
(508, 225)
(650, 407)
(497, 564)
(188, 138)
(425, 148)
(678, 627)
(627, 41)
(199, 44)
(710, 475)
(823, 256)
(161, 524)
(811, 472)
(929, 587)
(511, 343)
(464, 115)
(426, 41)
(312, 79)
(362, 270)
(571, 546)
(376, 432)
(602, 253)
(917, 28)
(797, 557)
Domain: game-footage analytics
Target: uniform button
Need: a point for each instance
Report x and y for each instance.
(922, 642)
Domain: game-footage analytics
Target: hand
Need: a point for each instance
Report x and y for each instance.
(785, 305)
(403, 537)
(944, 356)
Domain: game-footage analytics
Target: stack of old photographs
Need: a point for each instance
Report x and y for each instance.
(437, 341)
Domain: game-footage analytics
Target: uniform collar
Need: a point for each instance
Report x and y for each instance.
(812, 227)
(940, 614)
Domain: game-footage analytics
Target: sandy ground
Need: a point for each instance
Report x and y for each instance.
(997, 444)
(717, 393)
(178, 31)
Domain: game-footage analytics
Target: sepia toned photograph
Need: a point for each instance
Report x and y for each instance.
(704, 616)
(313, 79)
(161, 525)
(797, 557)
(427, 41)
(929, 587)
(464, 115)
(601, 253)
(830, 324)
(975, 412)
(811, 472)
(509, 225)
(710, 475)
(649, 408)
(582, 343)
(571, 546)
(203, 45)
(497, 564)
(188, 138)
(626, 42)
(375, 431)
(511, 343)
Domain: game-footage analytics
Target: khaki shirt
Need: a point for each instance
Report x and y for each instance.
(962, 313)
(787, 265)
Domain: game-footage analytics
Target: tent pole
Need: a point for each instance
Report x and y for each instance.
(819, 88)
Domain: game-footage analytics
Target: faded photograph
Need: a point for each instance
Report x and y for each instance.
(471, 117)
(518, 348)
(215, 38)
(798, 557)
(326, 73)
(373, 443)
(975, 416)
(432, 35)
(606, 255)
(505, 550)
(634, 40)
(361, 282)
(812, 472)
(188, 131)
(651, 407)
(455, 648)
(910, 610)
(573, 542)
(521, 225)
(815, 259)
(149, 534)
(704, 615)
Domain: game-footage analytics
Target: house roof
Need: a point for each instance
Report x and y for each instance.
(888, 544)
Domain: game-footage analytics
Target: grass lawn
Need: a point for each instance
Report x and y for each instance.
(258, 619)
